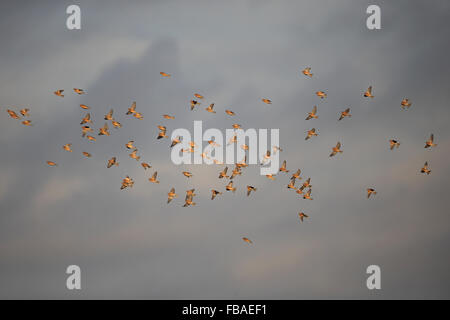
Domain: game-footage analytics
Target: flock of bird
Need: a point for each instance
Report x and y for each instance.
(303, 190)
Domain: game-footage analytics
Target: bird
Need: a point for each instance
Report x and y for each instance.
(307, 195)
(236, 171)
(116, 124)
(311, 133)
(345, 113)
(145, 165)
(175, 141)
(307, 72)
(266, 157)
(368, 93)
(91, 138)
(336, 149)
(296, 175)
(276, 149)
(25, 112)
(171, 195)
(52, 164)
(132, 109)
(133, 155)
(321, 94)
(429, 143)
(307, 183)
(162, 132)
(189, 200)
(312, 114)
(229, 112)
(165, 74)
(270, 176)
(27, 123)
(127, 182)
(199, 96)
(85, 107)
(112, 162)
(86, 119)
(59, 93)
(104, 130)
(214, 193)
(370, 191)
(223, 174)
(247, 240)
(194, 103)
(283, 167)
(236, 126)
(153, 177)
(210, 108)
(12, 114)
(250, 189)
(87, 154)
(425, 168)
(79, 91)
(291, 184)
(85, 130)
(301, 215)
(230, 187)
(166, 116)
(138, 115)
(405, 104)
(67, 147)
(394, 143)
(109, 115)
(266, 101)
(187, 174)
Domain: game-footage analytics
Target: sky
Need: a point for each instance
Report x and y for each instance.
(131, 244)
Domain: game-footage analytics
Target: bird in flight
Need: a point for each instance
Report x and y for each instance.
(312, 114)
(145, 165)
(194, 103)
(112, 162)
(162, 132)
(91, 138)
(85, 107)
(116, 124)
(230, 187)
(283, 167)
(68, 147)
(336, 149)
(229, 112)
(247, 240)
(188, 201)
(133, 155)
(129, 145)
(153, 177)
(25, 112)
(79, 91)
(270, 176)
(301, 215)
(250, 189)
(109, 115)
(429, 143)
(210, 108)
(87, 154)
(405, 104)
(425, 168)
(85, 130)
(368, 93)
(321, 94)
(223, 174)
(370, 191)
(199, 96)
(52, 164)
(171, 195)
(187, 174)
(27, 123)
(345, 113)
(59, 93)
(266, 101)
(12, 114)
(214, 193)
(104, 130)
(307, 72)
(127, 183)
(165, 74)
(166, 116)
(296, 175)
(311, 133)
(307, 195)
(132, 109)
(394, 144)
(86, 119)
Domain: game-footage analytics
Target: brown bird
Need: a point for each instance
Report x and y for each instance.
(25, 112)
(138, 115)
(67, 147)
(223, 174)
(194, 103)
(266, 101)
(27, 123)
(87, 154)
(166, 116)
(199, 96)
(336, 149)
(175, 141)
(368, 93)
(109, 115)
(307, 195)
(112, 162)
(345, 113)
(210, 108)
(291, 184)
(104, 130)
(321, 94)
(189, 200)
(79, 91)
(86, 119)
(283, 167)
(127, 182)
(187, 174)
(190, 192)
(229, 112)
(171, 195)
(425, 168)
(311, 133)
(165, 74)
(145, 165)
(12, 114)
(405, 104)
(429, 143)
(91, 138)
(312, 114)
(85, 130)
(116, 124)
(59, 93)
(302, 216)
(296, 175)
(162, 132)
(85, 107)
(394, 143)
(214, 193)
(270, 176)
(52, 164)
(229, 187)
(307, 72)
(250, 189)
(153, 177)
(132, 109)
(236, 171)
(247, 240)
(129, 145)
(236, 126)
(370, 191)
(134, 155)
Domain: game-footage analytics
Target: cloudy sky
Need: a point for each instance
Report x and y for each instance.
(131, 243)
